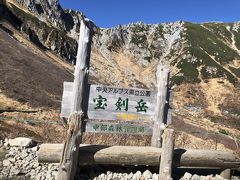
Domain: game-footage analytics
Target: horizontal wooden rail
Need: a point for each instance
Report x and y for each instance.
(133, 155)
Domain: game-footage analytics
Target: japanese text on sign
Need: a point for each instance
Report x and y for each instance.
(101, 103)
(118, 128)
(122, 91)
(117, 104)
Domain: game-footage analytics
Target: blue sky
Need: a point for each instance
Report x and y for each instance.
(109, 13)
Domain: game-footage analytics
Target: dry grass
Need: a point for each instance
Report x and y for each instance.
(30, 78)
(41, 132)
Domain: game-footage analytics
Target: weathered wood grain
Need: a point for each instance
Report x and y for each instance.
(165, 168)
(226, 173)
(159, 124)
(69, 159)
(66, 99)
(133, 155)
(169, 108)
(3, 152)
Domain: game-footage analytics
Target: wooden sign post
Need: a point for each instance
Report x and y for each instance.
(69, 160)
(159, 124)
(165, 168)
(109, 109)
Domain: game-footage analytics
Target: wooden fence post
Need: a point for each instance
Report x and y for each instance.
(226, 173)
(69, 160)
(159, 125)
(165, 169)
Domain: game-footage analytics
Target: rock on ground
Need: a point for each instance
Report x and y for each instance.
(21, 161)
(21, 142)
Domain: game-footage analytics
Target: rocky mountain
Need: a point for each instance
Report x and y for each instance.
(194, 51)
(45, 23)
(204, 60)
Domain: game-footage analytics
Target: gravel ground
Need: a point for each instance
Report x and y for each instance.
(22, 162)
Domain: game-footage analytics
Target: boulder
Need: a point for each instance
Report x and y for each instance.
(187, 176)
(147, 174)
(22, 142)
(195, 177)
(137, 175)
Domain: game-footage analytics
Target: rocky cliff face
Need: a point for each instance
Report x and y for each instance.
(50, 11)
(46, 24)
(194, 52)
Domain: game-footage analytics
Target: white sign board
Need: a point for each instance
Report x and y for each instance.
(111, 103)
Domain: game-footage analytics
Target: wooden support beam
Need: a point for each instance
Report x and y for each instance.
(159, 124)
(70, 154)
(3, 152)
(131, 155)
(226, 173)
(165, 168)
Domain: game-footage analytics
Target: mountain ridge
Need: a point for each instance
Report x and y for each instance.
(203, 58)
